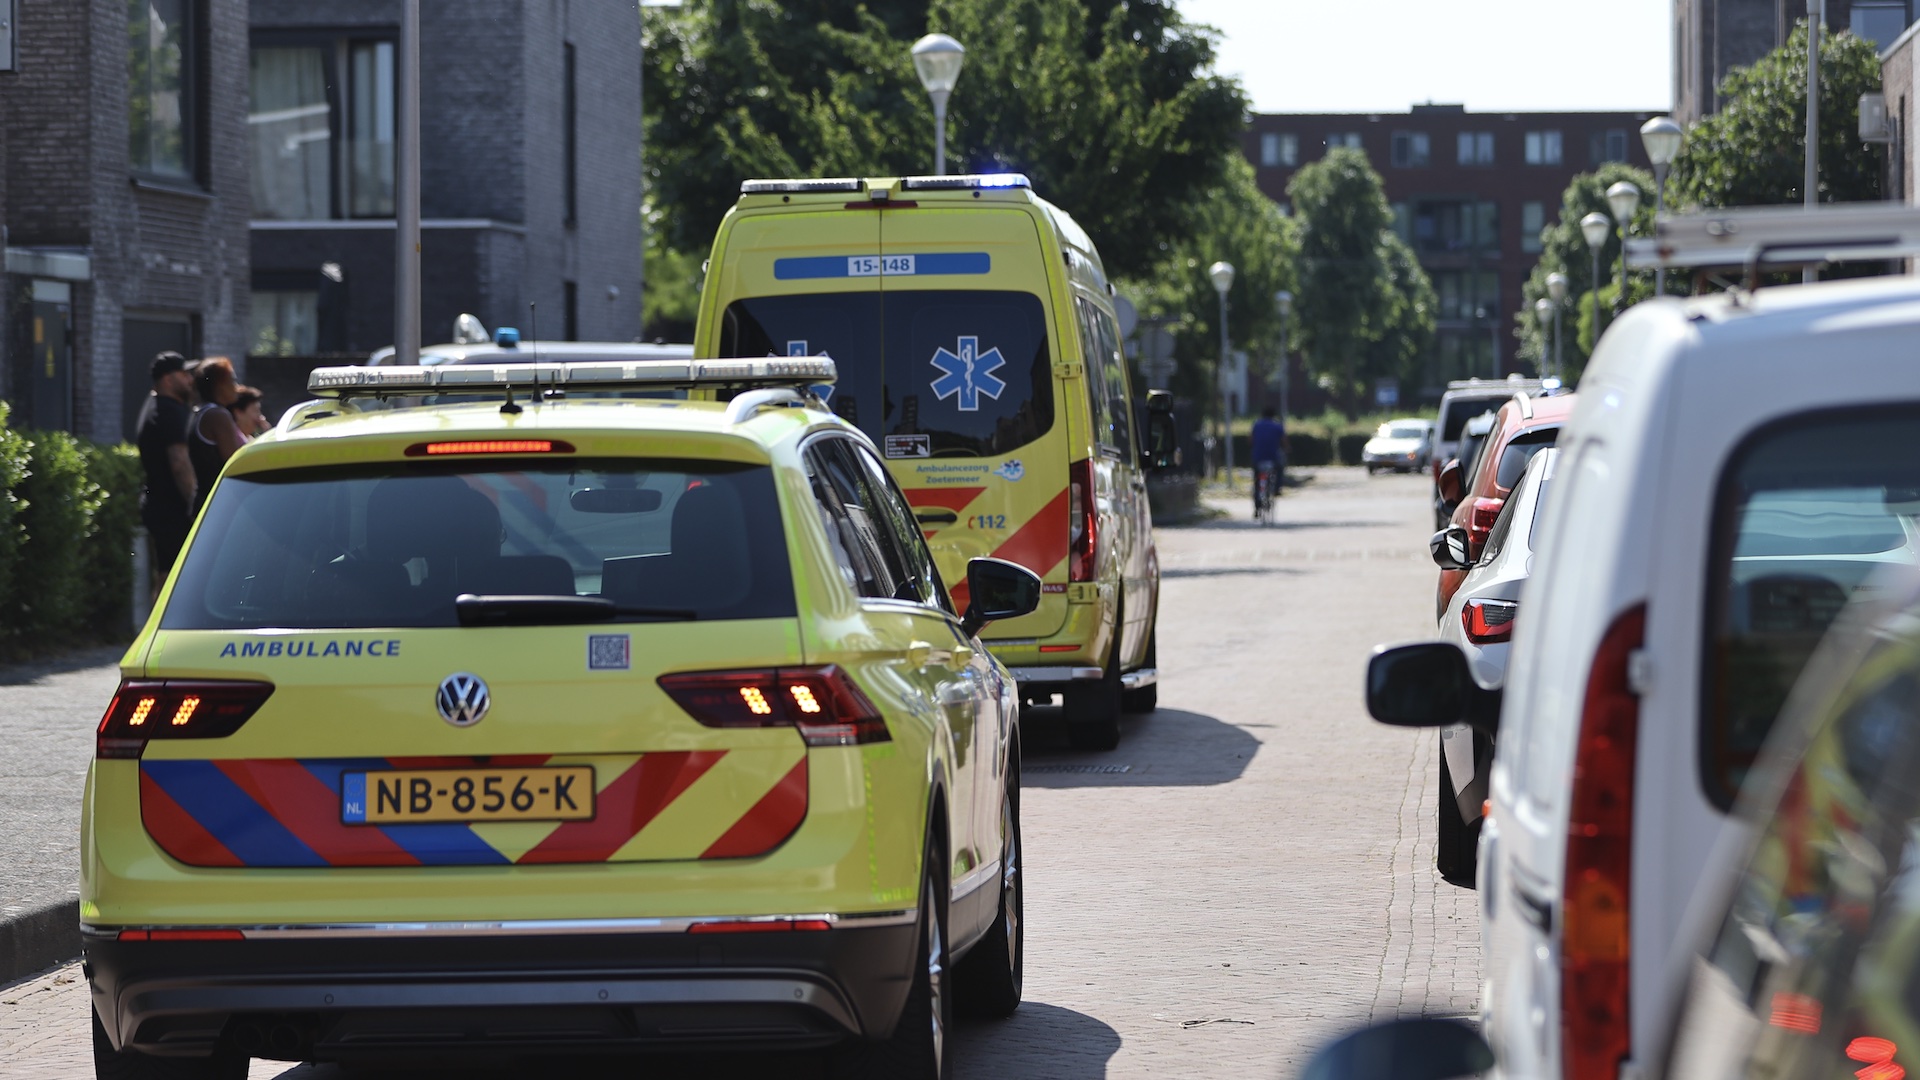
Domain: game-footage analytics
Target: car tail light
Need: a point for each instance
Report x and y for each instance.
(146, 709)
(823, 703)
(1083, 537)
(182, 935)
(1480, 521)
(1488, 621)
(1595, 1036)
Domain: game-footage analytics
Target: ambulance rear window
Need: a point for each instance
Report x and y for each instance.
(393, 545)
(946, 372)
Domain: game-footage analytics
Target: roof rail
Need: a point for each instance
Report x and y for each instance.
(743, 407)
(384, 382)
(1756, 236)
(1526, 405)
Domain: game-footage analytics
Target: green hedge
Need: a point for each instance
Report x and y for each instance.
(68, 511)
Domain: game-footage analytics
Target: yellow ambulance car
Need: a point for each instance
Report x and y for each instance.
(973, 328)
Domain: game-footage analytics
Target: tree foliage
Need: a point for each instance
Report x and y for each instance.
(1366, 309)
(1236, 223)
(1109, 105)
(1753, 151)
(1564, 250)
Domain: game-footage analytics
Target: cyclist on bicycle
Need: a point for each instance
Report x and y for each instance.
(1269, 454)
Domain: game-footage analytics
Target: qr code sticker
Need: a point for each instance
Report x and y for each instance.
(609, 652)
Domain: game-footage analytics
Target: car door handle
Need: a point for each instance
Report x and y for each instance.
(936, 517)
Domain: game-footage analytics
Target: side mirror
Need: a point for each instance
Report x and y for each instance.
(1449, 547)
(1451, 483)
(1161, 448)
(1428, 685)
(1427, 1049)
(998, 589)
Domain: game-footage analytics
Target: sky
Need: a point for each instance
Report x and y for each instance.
(1491, 55)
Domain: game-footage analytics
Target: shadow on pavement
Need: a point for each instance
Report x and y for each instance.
(1167, 748)
(1042, 1041)
(1225, 571)
(1242, 520)
(33, 671)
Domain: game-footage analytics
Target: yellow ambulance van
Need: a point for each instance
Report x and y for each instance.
(973, 327)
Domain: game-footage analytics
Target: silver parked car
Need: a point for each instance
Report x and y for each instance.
(1401, 445)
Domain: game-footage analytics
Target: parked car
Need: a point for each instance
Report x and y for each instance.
(1807, 965)
(1523, 427)
(1735, 469)
(1480, 621)
(1472, 437)
(1465, 399)
(1400, 445)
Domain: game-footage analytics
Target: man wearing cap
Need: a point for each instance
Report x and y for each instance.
(161, 434)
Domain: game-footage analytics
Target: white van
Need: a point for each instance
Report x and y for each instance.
(1735, 469)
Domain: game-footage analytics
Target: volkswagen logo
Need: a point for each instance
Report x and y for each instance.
(463, 699)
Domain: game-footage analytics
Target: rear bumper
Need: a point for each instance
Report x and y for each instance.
(332, 993)
(1055, 679)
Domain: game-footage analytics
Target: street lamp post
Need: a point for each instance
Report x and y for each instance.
(1662, 138)
(1595, 227)
(1623, 198)
(406, 217)
(1222, 275)
(1557, 292)
(1543, 310)
(1283, 301)
(937, 58)
(1816, 11)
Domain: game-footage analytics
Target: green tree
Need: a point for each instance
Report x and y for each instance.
(1564, 250)
(1753, 151)
(1365, 308)
(1233, 222)
(1109, 105)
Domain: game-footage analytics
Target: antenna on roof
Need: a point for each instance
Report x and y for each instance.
(533, 327)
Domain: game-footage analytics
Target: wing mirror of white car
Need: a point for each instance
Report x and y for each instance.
(998, 589)
(1449, 547)
(1426, 1049)
(1428, 684)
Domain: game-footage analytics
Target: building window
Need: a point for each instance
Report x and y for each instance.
(1878, 21)
(321, 118)
(1403, 221)
(1476, 148)
(1533, 221)
(1543, 148)
(1466, 294)
(570, 121)
(285, 322)
(162, 71)
(1605, 146)
(1349, 139)
(1411, 150)
(1277, 150)
(1442, 226)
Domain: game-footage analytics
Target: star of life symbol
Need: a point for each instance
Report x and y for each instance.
(823, 391)
(969, 374)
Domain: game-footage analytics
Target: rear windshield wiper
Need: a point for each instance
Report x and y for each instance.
(511, 610)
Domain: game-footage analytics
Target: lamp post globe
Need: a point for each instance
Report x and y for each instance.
(1283, 300)
(1595, 227)
(1221, 273)
(1544, 309)
(1623, 198)
(1283, 303)
(1557, 286)
(1557, 292)
(937, 59)
(1662, 138)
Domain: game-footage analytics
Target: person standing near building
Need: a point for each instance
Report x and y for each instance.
(215, 435)
(167, 494)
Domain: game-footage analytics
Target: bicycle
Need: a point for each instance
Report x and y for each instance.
(1266, 484)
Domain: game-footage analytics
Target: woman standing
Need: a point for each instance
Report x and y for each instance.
(214, 435)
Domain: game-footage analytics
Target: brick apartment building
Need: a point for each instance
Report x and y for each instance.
(1712, 37)
(1470, 193)
(530, 173)
(125, 201)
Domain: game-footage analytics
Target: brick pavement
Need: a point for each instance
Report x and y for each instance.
(1261, 875)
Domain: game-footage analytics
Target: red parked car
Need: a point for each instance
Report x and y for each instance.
(1524, 426)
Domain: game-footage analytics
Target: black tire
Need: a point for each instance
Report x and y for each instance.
(987, 983)
(1093, 708)
(1457, 853)
(921, 1045)
(1146, 698)
(111, 1064)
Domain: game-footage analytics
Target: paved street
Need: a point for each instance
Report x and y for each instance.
(1250, 872)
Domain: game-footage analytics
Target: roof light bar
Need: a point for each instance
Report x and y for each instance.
(799, 371)
(1772, 235)
(968, 182)
(800, 187)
